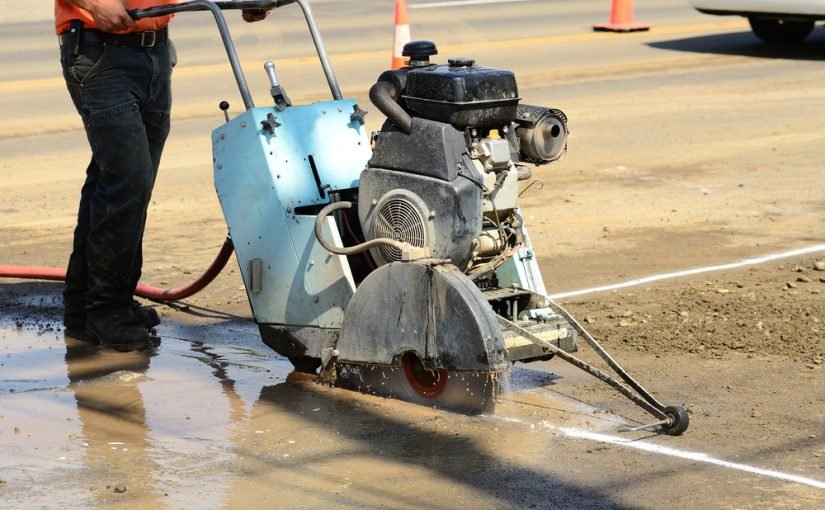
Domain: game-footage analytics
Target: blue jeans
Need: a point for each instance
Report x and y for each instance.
(123, 95)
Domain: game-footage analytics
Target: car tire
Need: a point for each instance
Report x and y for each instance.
(780, 31)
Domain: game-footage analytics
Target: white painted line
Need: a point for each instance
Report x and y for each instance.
(665, 450)
(460, 3)
(689, 272)
(694, 456)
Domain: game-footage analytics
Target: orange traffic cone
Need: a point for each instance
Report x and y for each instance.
(621, 19)
(402, 34)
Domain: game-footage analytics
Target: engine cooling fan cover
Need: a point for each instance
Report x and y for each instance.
(403, 216)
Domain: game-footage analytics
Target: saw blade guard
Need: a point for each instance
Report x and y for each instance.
(432, 310)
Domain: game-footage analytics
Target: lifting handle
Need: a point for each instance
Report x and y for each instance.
(164, 10)
(234, 61)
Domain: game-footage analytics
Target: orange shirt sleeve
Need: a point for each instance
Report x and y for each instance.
(64, 13)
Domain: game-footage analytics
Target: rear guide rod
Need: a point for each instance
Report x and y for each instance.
(673, 419)
(606, 357)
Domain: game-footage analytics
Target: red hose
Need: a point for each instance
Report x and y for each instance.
(146, 291)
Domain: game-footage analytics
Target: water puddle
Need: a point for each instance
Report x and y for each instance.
(224, 423)
(123, 427)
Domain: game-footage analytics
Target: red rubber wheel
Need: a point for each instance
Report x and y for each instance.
(425, 382)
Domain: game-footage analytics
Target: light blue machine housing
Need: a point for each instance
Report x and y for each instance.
(381, 254)
(276, 169)
(272, 169)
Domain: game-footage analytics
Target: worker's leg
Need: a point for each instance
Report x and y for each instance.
(111, 88)
(156, 117)
(156, 113)
(77, 273)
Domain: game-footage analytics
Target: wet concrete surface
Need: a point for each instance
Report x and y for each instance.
(197, 422)
(213, 419)
(95, 427)
(209, 419)
(212, 416)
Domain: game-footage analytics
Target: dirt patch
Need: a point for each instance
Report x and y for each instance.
(768, 310)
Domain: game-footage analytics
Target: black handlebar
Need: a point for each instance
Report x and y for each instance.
(164, 10)
(217, 7)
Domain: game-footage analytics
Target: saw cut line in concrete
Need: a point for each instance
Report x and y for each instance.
(689, 272)
(694, 456)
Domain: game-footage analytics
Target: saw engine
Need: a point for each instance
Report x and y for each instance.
(443, 179)
(446, 165)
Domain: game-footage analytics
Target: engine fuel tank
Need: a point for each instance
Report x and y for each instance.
(462, 93)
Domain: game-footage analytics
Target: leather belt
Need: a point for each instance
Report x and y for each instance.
(145, 39)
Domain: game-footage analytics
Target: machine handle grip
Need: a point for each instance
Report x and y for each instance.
(165, 10)
(216, 9)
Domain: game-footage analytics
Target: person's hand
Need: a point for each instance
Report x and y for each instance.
(111, 15)
(251, 15)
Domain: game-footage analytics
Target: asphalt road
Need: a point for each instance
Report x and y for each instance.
(696, 95)
(692, 144)
(531, 36)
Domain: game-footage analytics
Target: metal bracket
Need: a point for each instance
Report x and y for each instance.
(410, 253)
(328, 372)
(270, 123)
(358, 114)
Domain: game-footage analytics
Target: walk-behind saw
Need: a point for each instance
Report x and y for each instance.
(397, 263)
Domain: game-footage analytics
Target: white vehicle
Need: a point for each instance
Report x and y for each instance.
(773, 21)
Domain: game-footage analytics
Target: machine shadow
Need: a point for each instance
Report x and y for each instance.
(447, 453)
(746, 44)
(199, 312)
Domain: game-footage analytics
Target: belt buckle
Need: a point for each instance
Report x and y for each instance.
(147, 39)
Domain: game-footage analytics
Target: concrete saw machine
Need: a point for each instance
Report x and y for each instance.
(398, 262)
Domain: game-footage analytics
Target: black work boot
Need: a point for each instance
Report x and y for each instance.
(74, 320)
(148, 316)
(74, 314)
(74, 325)
(118, 329)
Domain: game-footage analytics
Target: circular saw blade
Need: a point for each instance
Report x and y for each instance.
(464, 392)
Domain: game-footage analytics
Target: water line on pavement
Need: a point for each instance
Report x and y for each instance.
(637, 444)
(694, 456)
(690, 272)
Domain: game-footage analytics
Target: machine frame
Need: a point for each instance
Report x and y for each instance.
(285, 176)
